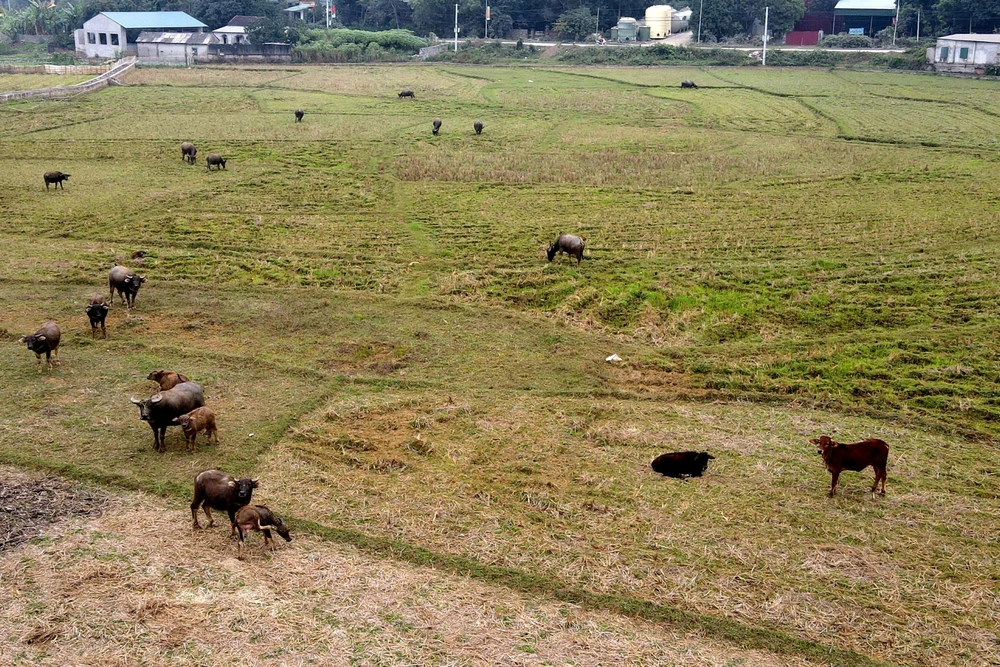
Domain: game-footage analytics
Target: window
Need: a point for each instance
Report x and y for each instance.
(91, 38)
(944, 53)
(114, 39)
(104, 37)
(963, 52)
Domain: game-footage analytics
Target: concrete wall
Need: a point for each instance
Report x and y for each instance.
(948, 55)
(174, 54)
(102, 28)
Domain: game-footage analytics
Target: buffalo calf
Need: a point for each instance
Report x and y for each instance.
(215, 160)
(56, 178)
(97, 311)
(681, 464)
(215, 490)
(260, 519)
(199, 419)
(856, 456)
(44, 341)
(167, 379)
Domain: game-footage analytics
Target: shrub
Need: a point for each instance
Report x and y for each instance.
(845, 41)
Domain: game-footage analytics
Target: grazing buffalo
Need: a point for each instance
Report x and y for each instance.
(436, 126)
(97, 311)
(188, 152)
(56, 178)
(215, 490)
(160, 410)
(44, 341)
(688, 84)
(407, 93)
(478, 126)
(299, 113)
(857, 456)
(260, 519)
(200, 419)
(570, 244)
(681, 464)
(126, 283)
(167, 379)
(215, 160)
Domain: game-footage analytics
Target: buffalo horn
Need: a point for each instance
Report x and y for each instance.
(135, 400)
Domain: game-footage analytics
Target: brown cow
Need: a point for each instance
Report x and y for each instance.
(199, 419)
(259, 518)
(167, 379)
(857, 456)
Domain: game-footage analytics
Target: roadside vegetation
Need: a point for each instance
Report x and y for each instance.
(777, 254)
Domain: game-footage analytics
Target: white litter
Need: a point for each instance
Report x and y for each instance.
(250, 436)
(613, 357)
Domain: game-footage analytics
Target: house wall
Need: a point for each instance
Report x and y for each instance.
(94, 29)
(186, 54)
(948, 55)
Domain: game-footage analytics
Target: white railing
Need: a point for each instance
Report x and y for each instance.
(89, 86)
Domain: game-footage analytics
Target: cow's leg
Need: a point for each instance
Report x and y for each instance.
(833, 484)
(56, 353)
(194, 513)
(880, 472)
(103, 330)
(232, 523)
(208, 513)
(48, 359)
(268, 539)
(38, 358)
(242, 538)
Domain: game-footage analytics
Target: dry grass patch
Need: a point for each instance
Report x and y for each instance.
(137, 585)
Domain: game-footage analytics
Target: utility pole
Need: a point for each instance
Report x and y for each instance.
(456, 28)
(895, 23)
(763, 59)
(596, 32)
(327, 14)
(486, 22)
(701, 11)
(918, 25)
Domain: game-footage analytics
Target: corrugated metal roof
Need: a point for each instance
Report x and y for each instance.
(242, 20)
(144, 20)
(197, 38)
(299, 8)
(967, 37)
(867, 5)
(231, 30)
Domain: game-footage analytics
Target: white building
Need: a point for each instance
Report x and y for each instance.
(105, 36)
(235, 32)
(173, 47)
(965, 53)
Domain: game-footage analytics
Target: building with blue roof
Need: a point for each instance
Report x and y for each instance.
(106, 35)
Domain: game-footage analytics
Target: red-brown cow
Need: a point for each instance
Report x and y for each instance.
(857, 456)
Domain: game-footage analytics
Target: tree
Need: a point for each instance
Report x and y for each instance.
(576, 23)
(271, 29)
(384, 14)
(217, 13)
(438, 16)
(731, 18)
(968, 15)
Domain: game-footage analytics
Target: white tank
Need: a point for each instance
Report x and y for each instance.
(658, 21)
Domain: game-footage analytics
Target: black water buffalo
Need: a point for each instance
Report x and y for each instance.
(215, 160)
(126, 283)
(681, 464)
(160, 410)
(688, 84)
(97, 311)
(478, 126)
(44, 341)
(188, 152)
(299, 113)
(55, 177)
(407, 93)
(215, 490)
(436, 126)
(570, 244)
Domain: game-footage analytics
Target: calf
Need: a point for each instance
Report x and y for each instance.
(188, 152)
(570, 244)
(215, 160)
(407, 93)
(167, 379)
(126, 283)
(97, 311)
(688, 84)
(681, 464)
(299, 113)
(857, 456)
(199, 419)
(436, 126)
(259, 518)
(56, 177)
(44, 341)
(215, 490)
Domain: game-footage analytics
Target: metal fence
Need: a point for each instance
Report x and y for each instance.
(89, 86)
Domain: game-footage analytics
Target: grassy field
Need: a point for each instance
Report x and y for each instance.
(12, 82)
(775, 255)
